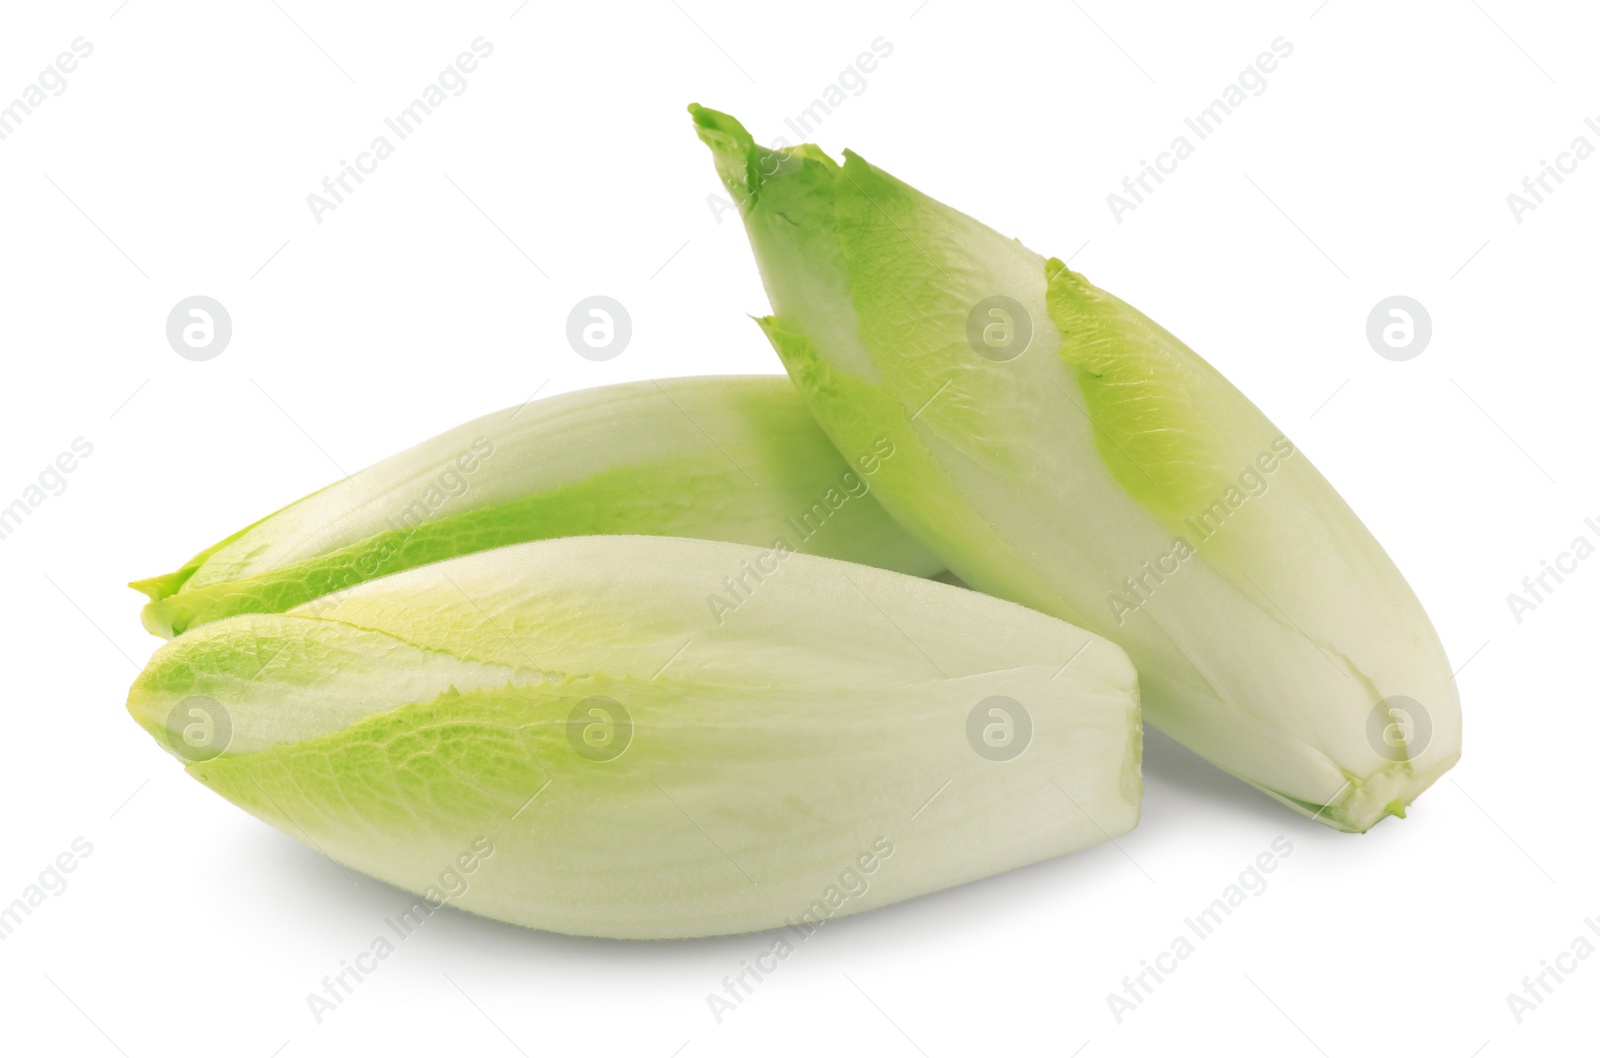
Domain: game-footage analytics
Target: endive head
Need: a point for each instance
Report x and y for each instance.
(1061, 449)
(723, 458)
(659, 737)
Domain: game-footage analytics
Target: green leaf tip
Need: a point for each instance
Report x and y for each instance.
(733, 150)
(748, 169)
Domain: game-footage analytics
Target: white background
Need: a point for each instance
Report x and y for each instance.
(1377, 162)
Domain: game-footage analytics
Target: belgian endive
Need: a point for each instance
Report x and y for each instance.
(729, 458)
(590, 735)
(1057, 447)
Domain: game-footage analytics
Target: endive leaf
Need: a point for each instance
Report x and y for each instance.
(734, 458)
(650, 753)
(1057, 447)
